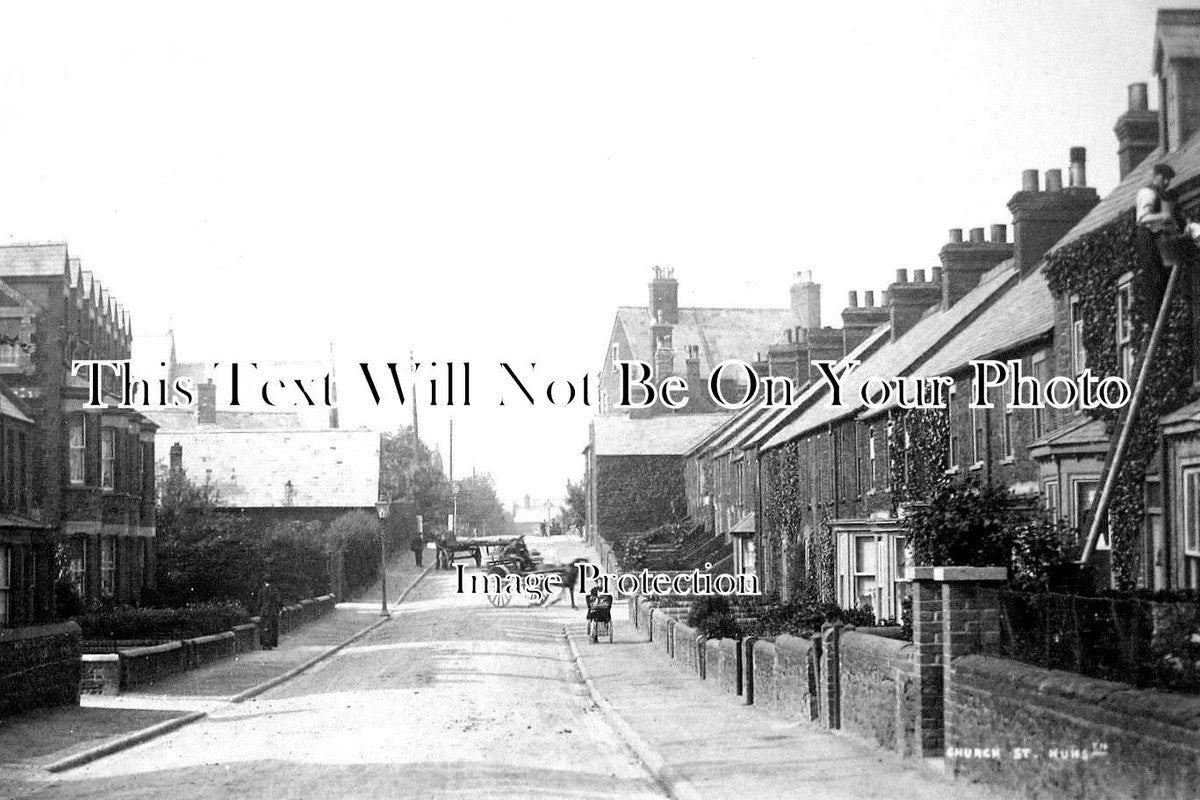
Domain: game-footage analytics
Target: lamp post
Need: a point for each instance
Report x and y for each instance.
(382, 508)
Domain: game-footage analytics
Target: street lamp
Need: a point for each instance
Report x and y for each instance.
(382, 508)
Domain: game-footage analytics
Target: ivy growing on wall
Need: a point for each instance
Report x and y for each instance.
(917, 441)
(1089, 270)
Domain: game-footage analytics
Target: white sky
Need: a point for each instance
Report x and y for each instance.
(488, 181)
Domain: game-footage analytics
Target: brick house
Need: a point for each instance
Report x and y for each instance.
(92, 480)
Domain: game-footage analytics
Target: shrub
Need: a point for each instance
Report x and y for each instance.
(713, 617)
(162, 624)
(806, 616)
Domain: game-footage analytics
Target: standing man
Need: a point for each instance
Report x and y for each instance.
(1155, 210)
(269, 606)
(416, 543)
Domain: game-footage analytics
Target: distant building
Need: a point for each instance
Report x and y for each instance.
(532, 517)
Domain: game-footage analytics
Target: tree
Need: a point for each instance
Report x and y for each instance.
(576, 508)
(479, 509)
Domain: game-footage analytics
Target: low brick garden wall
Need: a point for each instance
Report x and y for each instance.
(686, 652)
(723, 664)
(878, 690)
(796, 667)
(108, 672)
(759, 679)
(39, 667)
(1057, 734)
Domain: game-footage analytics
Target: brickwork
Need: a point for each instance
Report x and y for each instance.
(763, 674)
(878, 690)
(39, 667)
(207, 649)
(723, 664)
(927, 666)
(100, 673)
(1047, 733)
(796, 669)
(148, 664)
(829, 677)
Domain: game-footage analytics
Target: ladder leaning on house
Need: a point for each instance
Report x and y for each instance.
(1172, 253)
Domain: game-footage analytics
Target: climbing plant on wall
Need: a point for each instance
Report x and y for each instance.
(1089, 270)
(917, 441)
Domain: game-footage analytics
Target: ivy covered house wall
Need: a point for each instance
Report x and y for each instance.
(638, 493)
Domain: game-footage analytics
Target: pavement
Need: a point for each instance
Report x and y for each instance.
(34, 741)
(455, 698)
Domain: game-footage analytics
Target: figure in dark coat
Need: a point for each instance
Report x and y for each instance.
(269, 606)
(416, 543)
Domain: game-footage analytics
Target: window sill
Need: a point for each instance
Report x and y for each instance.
(952, 471)
(1008, 460)
(978, 465)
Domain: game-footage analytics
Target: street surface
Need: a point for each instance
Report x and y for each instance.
(452, 698)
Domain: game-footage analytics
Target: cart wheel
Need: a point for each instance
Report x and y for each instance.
(499, 599)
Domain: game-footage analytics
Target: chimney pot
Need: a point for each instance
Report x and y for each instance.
(1029, 180)
(976, 235)
(1054, 180)
(853, 299)
(936, 276)
(918, 276)
(869, 298)
(1139, 99)
(901, 276)
(999, 234)
(1079, 167)
(956, 235)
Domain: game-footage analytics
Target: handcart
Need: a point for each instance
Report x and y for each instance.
(599, 617)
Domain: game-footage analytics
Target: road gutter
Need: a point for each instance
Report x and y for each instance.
(675, 784)
(154, 731)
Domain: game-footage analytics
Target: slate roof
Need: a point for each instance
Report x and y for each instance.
(671, 434)
(935, 330)
(750, 425)
(720, 333)
(184, 418)
(251, 468)
(34, 259)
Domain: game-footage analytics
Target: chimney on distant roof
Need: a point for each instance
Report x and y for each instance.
(206, 403)
(964, 263)
(858, 321)
(176, 460)
(907, 302)
(1136, 130)
(664, 296)
(1041, 218)
(806, 300)
(1178, 73)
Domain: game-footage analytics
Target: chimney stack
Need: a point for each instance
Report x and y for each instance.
(1136, 130)
(1054, 180)
(907, 302)
(1040, 219)
(1078, 168)
(964, 263)
(858, 321)
(806, 300)
(664, 296)
(176, 460)
(206, 403)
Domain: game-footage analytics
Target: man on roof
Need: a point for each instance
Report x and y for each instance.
(1156, 217)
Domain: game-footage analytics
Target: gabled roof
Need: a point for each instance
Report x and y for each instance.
(36, 260)
(720, 333)
(332, 468)
(171, 420)
(935, 330)
(670, 434)
(1023, 314)
(755, 423)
